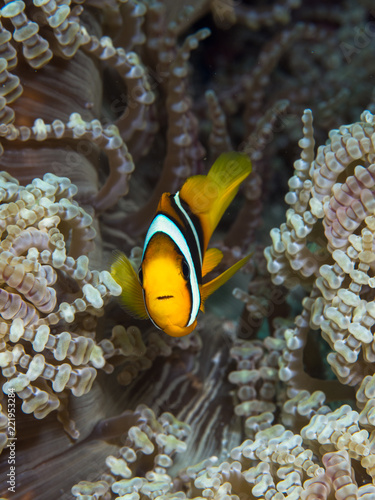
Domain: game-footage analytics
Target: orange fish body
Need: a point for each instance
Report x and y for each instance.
(169, 288)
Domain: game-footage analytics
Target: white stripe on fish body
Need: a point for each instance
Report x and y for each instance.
(191, 224)
(163, 224)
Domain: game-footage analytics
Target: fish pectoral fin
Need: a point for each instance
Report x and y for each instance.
(131, 297)
(211, 259)
(201, 307)
(209, 288)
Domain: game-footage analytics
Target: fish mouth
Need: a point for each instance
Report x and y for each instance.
(163, 297)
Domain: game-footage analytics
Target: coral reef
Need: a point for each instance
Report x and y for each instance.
(105, 105)
(46, 286)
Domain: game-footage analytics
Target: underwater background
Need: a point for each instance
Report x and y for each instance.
(105, 105)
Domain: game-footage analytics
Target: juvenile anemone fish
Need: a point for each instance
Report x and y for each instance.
(168, 288)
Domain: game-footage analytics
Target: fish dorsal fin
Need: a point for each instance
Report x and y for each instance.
(209, 288)
(131, 297)
(211, 259)
(208, 196)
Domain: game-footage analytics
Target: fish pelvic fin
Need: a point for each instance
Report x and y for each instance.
(131, 297)
(211, 259)
(209, 288)
(208, 196)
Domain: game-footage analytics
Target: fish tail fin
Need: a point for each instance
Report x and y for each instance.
(131, 297)
(208, 196)
(209, 288)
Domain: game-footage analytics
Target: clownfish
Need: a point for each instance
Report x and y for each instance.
(168, 287)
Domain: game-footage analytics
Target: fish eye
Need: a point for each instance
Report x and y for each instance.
(185, 269)
(140, 275)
